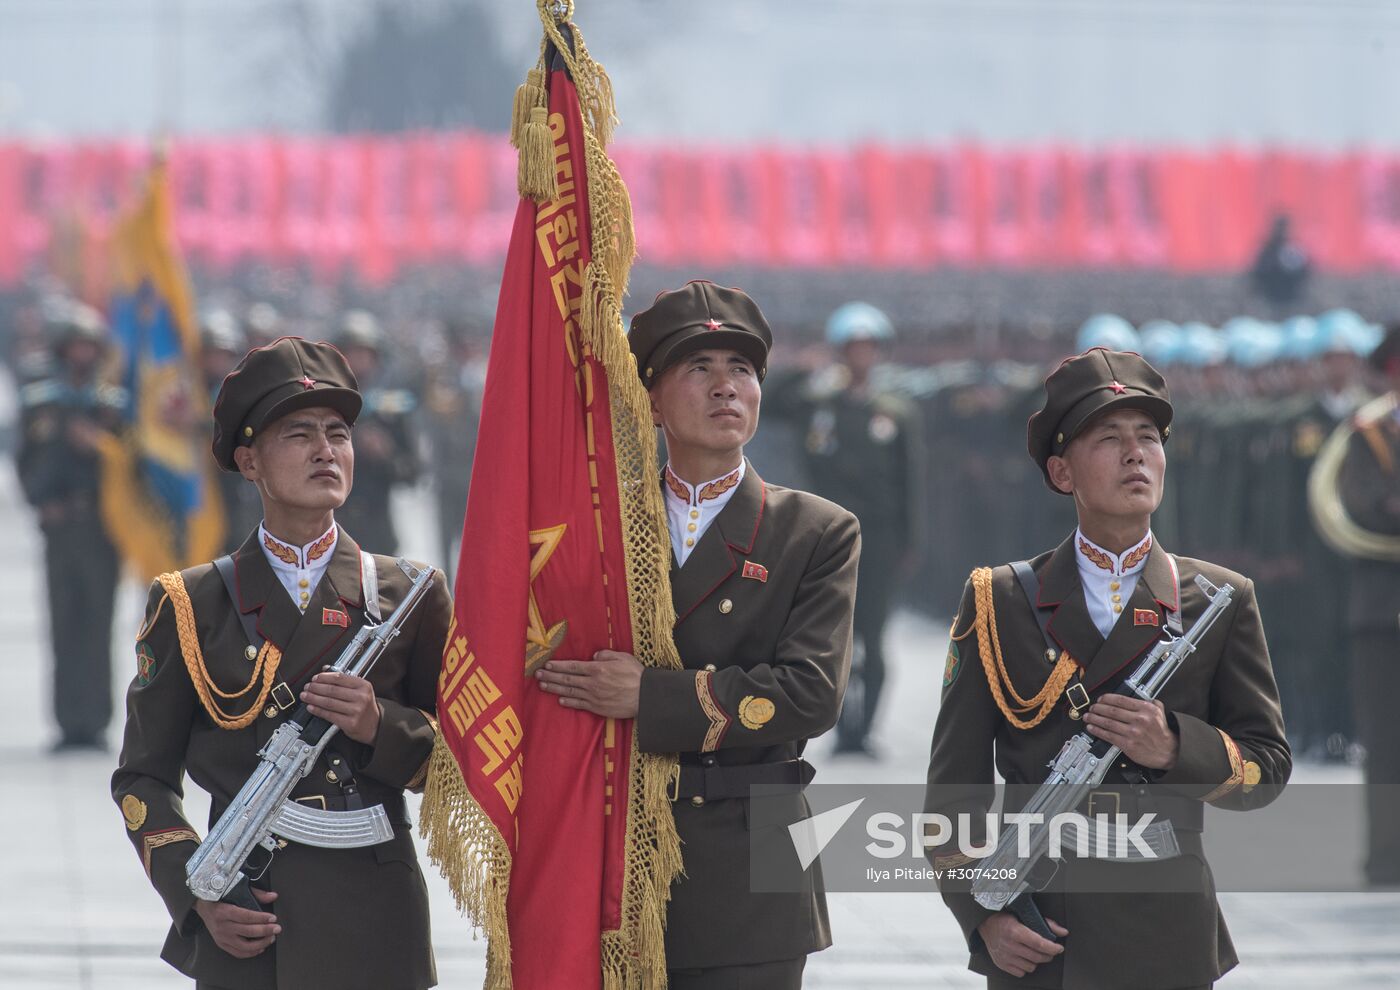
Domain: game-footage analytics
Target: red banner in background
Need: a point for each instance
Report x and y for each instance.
(372, 205)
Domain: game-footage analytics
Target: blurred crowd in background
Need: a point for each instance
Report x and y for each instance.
(1256, 399)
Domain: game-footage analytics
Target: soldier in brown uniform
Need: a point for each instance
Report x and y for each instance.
(227, 650)
(1032, 661)
(1368, 488)
(763, 579)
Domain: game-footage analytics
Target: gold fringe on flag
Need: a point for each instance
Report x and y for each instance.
(461, 838)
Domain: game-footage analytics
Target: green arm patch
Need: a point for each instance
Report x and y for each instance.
(953, 667)
(145, 663)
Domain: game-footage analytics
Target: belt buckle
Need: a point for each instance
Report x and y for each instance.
(282, 691)
(673, 790)
(1105, 796)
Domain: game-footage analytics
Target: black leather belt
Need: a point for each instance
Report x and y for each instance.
(716, 783)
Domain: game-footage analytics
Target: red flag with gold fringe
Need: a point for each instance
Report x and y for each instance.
(553, 831)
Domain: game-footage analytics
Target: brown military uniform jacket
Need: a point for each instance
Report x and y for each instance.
(763, 606)
(1223, 702)
(350, 917)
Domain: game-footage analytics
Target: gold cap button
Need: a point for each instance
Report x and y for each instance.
(250, 651)
(726, 606)
(247, 431)
(710, 667)
(698, 801)
(1059, 438)
(270, 711)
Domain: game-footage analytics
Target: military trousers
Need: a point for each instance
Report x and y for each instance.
(82, 570)
(1375, 656)
(875, 587)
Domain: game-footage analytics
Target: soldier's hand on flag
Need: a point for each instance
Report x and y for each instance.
(1138, 727)
(608, 685)
(345, 701)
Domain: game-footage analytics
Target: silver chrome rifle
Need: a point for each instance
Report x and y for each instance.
(1005, 880)
(239, 847)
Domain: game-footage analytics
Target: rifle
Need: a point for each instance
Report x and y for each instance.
(240, 846)
(1007, 879)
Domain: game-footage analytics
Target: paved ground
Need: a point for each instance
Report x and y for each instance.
(78, 914)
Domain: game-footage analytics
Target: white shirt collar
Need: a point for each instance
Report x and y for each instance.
(1109, 579)
(1094, 558)
(691, 509)
(299, 569)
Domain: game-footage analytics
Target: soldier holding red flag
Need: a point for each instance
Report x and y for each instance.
(763, 580)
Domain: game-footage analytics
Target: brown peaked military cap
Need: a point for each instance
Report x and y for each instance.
(1086, 385)
(288, 374)
(698, 316)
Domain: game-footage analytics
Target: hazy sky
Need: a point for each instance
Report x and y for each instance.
(1292, 72)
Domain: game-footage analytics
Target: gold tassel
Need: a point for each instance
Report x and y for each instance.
(536, 178)
(528, 95)
(472, 856)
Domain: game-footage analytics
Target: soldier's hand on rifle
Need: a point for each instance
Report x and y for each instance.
(345, 701)
(1139, 728)
(608, 685)
(1014, 947)
(240, 932)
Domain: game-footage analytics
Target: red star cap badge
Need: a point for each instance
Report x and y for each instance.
(714, 324)
(307, 382)
(1118, 389)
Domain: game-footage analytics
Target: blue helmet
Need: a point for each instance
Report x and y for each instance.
(1345, 330)
(1201, 346)
(1107, 330)
(1162, 342)
(1302, 338)
(857, 321)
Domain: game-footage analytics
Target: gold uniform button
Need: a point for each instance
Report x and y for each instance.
(250, 651)
(304, 583)
(691, 527)
(690, 541)
(698, 801)
(1117, 598)
(1114, 586)
(1051, 656)
(710, 667)
(270, 711)
(695, 513)
(726, 606)
(1117, 608)
(331, 776)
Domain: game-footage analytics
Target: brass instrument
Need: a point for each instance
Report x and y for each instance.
(1336, 527)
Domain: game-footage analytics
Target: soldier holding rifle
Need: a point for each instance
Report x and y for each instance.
(1036, 652)
(228, 652)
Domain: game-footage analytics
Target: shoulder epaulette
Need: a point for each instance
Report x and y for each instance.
(40, 393)
(391, 401)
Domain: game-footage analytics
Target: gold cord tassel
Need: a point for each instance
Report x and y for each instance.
(528, 95)
(535, 177)
(994, 665)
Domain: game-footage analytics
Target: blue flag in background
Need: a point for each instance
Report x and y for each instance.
(159, 497)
